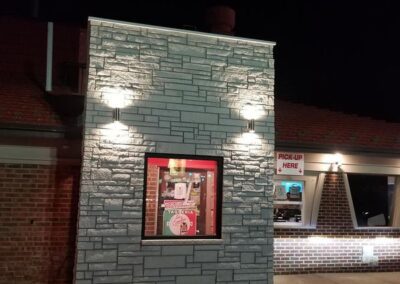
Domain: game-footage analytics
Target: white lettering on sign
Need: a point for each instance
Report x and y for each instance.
(289, 163)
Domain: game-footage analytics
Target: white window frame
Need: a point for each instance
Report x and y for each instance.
(351, 204)
(313, 183)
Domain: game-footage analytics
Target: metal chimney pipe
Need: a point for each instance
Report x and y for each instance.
(220, 19)
(49, 59)
(35, 8)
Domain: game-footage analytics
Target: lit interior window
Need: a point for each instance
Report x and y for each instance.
(288, 202)
(182, 196)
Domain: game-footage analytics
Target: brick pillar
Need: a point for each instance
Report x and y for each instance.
(151, 204)
(334, 211)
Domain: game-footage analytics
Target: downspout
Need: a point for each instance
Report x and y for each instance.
(49, 59)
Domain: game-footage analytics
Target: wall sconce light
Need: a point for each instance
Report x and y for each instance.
(250, 126)
(251, 113)
(338, 159)
(116, 114)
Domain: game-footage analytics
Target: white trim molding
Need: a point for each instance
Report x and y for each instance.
(15, 154)
(365, 164)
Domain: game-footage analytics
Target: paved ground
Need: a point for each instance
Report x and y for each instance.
(340, 278)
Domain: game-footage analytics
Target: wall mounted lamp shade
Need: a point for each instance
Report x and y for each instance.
(338, 159)
(116, 114)
(251, 112)
(250, 126)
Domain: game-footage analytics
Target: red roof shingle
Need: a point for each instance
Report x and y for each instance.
(312, 126)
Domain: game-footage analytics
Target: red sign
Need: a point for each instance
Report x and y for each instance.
(179, 222)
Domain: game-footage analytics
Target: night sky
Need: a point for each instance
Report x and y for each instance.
(342, 55)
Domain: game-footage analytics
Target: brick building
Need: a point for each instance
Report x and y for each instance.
(340, 230)
(184, 94)
(40, 155)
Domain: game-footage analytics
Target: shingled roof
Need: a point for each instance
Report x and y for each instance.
(303, 126)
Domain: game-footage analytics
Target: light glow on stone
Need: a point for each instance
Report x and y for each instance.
(116, 132)
(116, 97)
(252, 111)
(250, 138)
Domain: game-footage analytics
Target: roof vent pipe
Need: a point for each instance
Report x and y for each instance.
(49, 59)
(220, 19)
(35, 8)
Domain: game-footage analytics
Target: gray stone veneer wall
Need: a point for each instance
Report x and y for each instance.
(183, 93)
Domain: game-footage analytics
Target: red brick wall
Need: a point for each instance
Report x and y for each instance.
(151, 196)
(38, 205)
(23, 48)
(334, 246)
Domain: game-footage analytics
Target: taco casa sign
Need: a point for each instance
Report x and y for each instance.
(288, 163)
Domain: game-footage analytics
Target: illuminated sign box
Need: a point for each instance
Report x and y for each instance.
(182, 197)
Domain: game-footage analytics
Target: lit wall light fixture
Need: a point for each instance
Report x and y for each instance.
(338, 159)
(116, 114)
(250, 126)
(251, 113)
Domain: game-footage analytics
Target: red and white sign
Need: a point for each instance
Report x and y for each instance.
(288, 163)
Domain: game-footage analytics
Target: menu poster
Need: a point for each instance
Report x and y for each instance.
(179, 222)
(280, 192)
(180, 190)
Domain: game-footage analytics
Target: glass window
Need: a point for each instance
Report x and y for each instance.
(288, 202)
(296, 200)
(374, 200)
(182, 196)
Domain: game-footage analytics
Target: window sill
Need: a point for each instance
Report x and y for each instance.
(174, 242)
(377, 228)
(292, 226)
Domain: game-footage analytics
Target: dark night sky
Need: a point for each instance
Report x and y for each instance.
(340, 54)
